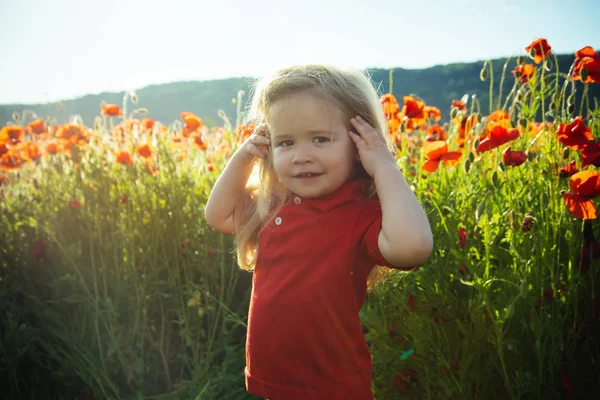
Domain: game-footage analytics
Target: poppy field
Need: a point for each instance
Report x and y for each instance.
(112, 286)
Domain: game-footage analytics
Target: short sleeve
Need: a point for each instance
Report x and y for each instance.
(369, 226)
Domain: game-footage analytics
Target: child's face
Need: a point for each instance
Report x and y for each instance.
(310, 135)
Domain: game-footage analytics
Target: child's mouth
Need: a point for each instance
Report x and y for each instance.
(308, 176)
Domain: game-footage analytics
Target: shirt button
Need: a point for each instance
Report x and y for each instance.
(297, 200)
(278, 221)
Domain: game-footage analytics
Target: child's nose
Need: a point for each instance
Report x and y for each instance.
(302, 154)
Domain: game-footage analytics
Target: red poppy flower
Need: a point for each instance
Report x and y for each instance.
(590, 153)
(11, 161)
(568, 170)
(462, 237)
(413, 108)
(147, 123)
(36, 126)
(497, 116)
(436, 132)
(200, 143)
(390, 104)
(463, 271)
(192, 121)
(498, 136)
(466, 124)
(574, 135)
(459, 104)
(243, 132)
(585, 185)
(144, 151)
(411, 301)
(524, 72)
(587, 58)
(437, 152)
(513, 158)
(542, 49)
(11, 134)
(432, 112)
(52, 148)
(111, 110)
(75, 204)
(124, 158)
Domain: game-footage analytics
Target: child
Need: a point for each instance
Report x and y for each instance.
(331, 206)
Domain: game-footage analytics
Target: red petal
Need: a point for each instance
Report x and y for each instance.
(580, 207)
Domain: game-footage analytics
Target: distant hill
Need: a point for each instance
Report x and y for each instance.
(437, 86)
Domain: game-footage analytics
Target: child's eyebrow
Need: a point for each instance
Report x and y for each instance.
(311, 132)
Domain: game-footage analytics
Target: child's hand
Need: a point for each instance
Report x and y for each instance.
(372, 149)
(257, 145)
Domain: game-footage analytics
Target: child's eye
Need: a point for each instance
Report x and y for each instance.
(321, 139)
(285, 143)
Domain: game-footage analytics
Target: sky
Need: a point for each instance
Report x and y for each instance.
(63, 49)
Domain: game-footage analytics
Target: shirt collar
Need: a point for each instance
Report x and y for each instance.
(349, 192)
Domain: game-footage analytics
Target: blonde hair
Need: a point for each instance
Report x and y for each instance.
(350, 90)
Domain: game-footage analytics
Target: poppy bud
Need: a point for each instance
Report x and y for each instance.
(483, 74)
(551, 105)
(570, 100)
(562, 193)
(467, 165)
(502, 167)
(134, 98)
(527, 223)
(532, 52)
(453, 112)
(141, 111)
(584, 74)
(402, 127)
(471, 157)
(571, 109)
(520, 60)
(16, 117)
(523, 289)
(495, 178)
(566, 153)
(545, 199)
(523, 122)
(548, 65)
(476, 143)
(479, 211)
(97, 122)
(530, 156)
(510, 311)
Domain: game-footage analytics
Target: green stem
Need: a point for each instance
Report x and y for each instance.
(502, 82)
(491, 64)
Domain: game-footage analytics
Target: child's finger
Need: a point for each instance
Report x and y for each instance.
(261, 130)
(255, 151)
(260, 140)
(356, 138)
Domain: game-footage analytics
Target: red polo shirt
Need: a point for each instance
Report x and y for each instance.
(304, 338)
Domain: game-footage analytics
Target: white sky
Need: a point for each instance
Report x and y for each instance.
(62, 49)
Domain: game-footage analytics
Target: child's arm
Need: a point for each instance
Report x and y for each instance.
(229, 188)
(405, 238)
